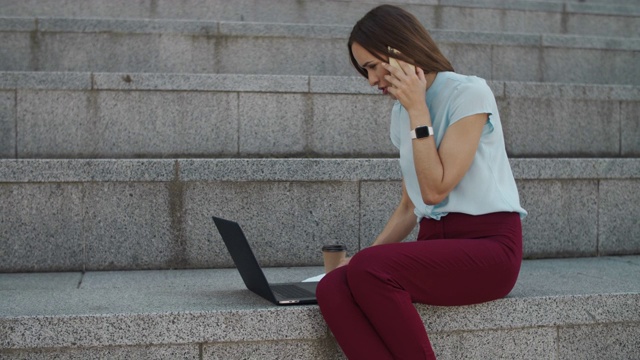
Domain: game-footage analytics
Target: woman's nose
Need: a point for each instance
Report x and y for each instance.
(373, 79)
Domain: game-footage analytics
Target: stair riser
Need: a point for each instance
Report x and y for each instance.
(532, 17)
(512, 57)
(538, 121)
(82, 337)
(526, 344)
(144, 218)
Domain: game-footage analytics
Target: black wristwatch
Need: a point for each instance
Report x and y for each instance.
(421, 132)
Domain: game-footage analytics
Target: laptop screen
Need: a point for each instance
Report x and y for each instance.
(244, 258)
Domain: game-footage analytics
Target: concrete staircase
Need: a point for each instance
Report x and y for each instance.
(124, 126)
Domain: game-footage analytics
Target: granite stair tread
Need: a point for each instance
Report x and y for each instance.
(209, 306)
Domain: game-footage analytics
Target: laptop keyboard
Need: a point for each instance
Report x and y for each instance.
(291, 291)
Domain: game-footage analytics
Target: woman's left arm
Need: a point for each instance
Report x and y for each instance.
(439, 170)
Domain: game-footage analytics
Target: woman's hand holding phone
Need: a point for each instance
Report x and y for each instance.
(408, 85)
(393, 62)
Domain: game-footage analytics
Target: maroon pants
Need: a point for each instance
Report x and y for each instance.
(458, 260)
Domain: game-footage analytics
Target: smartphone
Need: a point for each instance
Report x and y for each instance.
(393, 62)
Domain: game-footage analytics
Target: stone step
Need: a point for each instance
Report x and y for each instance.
(125, 115)
(76, 215)
(560, 309)
(604, 18)
(178, 46)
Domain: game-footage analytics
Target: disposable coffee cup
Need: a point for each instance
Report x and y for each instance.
(332, 255)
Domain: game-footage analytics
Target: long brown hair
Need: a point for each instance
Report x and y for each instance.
(388, 25)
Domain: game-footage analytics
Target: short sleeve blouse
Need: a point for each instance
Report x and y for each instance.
(489, 185)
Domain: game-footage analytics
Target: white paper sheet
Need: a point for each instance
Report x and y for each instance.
(314, 278)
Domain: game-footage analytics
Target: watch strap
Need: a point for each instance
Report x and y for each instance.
(421, 132)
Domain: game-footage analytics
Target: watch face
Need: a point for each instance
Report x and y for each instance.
(422, 132)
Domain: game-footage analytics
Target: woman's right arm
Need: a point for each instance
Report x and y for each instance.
(401, 222)
(399, 225)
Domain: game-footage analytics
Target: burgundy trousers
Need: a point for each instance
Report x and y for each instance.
(458, 260)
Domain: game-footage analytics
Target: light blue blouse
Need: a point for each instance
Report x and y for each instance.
(489, 185)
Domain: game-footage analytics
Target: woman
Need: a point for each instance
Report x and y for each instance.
(457, 184)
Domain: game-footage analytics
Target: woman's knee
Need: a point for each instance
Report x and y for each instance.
(368, 268)
(332, 286)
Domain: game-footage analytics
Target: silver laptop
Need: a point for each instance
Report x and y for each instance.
(297, 293)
